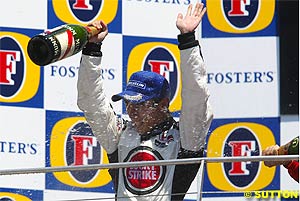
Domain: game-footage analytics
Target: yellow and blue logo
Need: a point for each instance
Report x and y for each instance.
(229, 18)
(85, 11)
(158, 56)
(8, 194)
(13, 196)
(236, 138)
(21, 80)
(72, 143)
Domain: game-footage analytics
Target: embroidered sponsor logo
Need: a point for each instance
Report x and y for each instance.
(136, 98)
(134, 83)
(164, 139)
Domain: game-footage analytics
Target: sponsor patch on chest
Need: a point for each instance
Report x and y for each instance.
(163, 139)
(146, 179)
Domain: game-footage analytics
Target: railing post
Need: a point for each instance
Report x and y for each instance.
(200, 179)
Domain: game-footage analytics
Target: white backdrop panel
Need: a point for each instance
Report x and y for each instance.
(156, 18)
(61, 77)
(51, 195)
(242, 76)
(24, 14)
(22, 145)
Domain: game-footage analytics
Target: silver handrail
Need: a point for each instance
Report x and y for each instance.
(147, 163)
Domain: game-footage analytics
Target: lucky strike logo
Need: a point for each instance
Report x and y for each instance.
(240, 16)
(19, 76)
(84, 11)
(73, 143)
(239, 139)
(143, 180)
(162, 58)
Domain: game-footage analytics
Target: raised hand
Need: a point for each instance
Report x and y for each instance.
(192, 19)
(102, 34)
(272, 151)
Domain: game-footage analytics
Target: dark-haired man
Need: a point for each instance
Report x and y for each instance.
(152, 134)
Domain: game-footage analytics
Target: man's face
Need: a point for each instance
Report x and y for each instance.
(145, 115)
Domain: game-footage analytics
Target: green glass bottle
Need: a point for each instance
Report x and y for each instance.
(291, 148)
(59, 43)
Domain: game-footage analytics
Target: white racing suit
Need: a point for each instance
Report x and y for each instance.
(170, 140)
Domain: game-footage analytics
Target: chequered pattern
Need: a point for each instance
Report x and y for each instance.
(38, 104)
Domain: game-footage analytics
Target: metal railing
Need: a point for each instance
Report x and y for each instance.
(200, 174)
(147, 163)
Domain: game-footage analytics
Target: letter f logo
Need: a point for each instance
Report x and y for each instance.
(238, 8)
(241, 148)
(162, 67)
(8, 63)
(83, 149)
(82, 5)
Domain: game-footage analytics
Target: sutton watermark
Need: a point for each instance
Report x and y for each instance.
(272, 194)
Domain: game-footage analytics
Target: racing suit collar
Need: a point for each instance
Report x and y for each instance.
(160, 128)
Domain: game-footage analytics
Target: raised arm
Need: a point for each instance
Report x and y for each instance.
(196, 114)
(91, 95)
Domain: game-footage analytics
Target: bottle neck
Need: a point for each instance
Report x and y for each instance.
(294, 146)
(291, 148)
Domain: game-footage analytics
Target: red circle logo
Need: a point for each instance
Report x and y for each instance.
(145, 179)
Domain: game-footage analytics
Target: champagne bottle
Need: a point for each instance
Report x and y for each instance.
(291, 148)
(59, 43)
